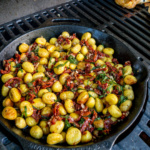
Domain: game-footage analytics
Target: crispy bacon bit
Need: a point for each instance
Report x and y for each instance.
(7, 66)
(56, 109)
(85, 124)
(127, 63)
(115, 61)
(87, 68)
(13, 82)
(36, 114)
(72, 121)
(103, 86)
(18, 58)
(97, 91)
(22, 99)
(94, 116)
(31, 97)
(84, 111)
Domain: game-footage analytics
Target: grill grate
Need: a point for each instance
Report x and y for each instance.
(132, 27)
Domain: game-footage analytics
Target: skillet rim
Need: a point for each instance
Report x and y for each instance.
(111, 139)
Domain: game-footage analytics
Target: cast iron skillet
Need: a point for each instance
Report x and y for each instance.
(122, 52)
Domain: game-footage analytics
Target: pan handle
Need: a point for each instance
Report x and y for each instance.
(63, 21)
(104, 145)
(107, 144)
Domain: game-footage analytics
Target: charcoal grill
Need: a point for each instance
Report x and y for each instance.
(132, 27)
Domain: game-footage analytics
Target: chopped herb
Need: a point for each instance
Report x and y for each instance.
(34, 107)
(122, 99)
(20, 70)
(61, 65)
(81, 121)
(90, 95)
(57, 100)
(49, 90)
(109, 88)
(67, 124)
(99, 129)
(101, 96)
(95, 67)
(30, 84)
(22, 115)
(72, 60)
(88, 82)
(25, 111)
(80, 89)
(103, 66)
(36, 50)
(97, 118)
(50, 59)
(44, 119)
(65, 116)
(73, 90)
(17, 66)
(74, 125)
(99, 88)
(112, 82)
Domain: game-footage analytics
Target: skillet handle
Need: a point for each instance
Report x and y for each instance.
(104, 145)
(63, 21)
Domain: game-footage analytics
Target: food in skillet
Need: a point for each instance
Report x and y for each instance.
(68, 89)
(130, 3)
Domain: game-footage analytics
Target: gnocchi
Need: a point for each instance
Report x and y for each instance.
(69, 89)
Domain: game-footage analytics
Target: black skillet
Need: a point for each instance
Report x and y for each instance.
(122, 52)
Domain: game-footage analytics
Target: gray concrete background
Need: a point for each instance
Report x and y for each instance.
(14, 9)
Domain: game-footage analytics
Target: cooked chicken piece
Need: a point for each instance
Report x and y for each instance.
(130, 3)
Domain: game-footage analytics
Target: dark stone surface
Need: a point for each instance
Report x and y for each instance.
(14, 9)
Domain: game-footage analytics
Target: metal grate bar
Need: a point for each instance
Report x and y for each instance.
(122, 24)
(27, 24)
(121, 20)
(52, 14)
(130, 47)
(61, 12)
(114, 10)
(91, 13)
(132, 42)
(18, 27)
(138, 25)
(11, 34)
(70, 11)
(2, 39)
(142, 124)
(43, 16)
(100, 13)
(145, 138)
(95, 23)
(35, 20)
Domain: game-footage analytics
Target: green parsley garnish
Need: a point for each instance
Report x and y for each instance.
(67, 124)
(99, 129)
(36, 50)
(61, 65)
(72, 60)
(25, 111)
(122, 99)
(17, 66)
(81, 121)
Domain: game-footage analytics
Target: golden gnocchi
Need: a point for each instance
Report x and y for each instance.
(68, 89)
